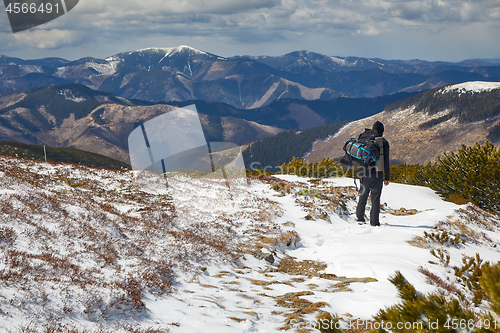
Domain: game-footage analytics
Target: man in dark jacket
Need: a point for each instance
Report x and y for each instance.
(372, 180)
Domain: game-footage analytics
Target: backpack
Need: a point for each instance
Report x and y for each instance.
(363, 149)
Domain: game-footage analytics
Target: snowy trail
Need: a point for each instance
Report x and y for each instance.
(349, 249)
(354, 250)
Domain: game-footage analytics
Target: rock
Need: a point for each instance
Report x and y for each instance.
(264, 256)
(269, 258)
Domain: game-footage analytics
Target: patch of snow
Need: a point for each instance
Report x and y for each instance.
(31, 69)
(102, 99)
(341, 62)
(68, 95)
(172, 50)
(108, 69)
(312, 149)
(61, 72)
(404, 114)
(473, 86)
(376, 62)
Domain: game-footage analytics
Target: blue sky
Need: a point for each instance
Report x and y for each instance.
(448, 30)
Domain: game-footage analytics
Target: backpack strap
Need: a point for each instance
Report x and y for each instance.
(379, 164)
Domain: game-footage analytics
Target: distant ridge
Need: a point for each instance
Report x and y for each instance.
(184, 73)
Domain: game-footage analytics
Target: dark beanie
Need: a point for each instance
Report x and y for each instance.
(379, 127)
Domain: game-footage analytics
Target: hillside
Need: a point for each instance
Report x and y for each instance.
(270, 153)
(123, 251)
(183, 73)
(427, 125)
(66, 155)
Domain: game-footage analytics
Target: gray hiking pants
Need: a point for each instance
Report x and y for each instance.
(370, 186)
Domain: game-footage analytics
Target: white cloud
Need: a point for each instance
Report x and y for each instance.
(237, 22)
(47, 39)
(195, 18)
(369, 31)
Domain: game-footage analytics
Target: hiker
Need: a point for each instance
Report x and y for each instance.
(373, 178)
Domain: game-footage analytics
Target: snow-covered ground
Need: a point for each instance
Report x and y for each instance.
(473, 86)
(87, 247)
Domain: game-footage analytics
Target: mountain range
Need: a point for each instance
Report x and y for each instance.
(184, 73)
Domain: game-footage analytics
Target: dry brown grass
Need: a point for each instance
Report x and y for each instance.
(317, 197)
(239, 320)
(419, 242)
(99, 240)
(402, 211)
(445, 288)
(299, 307)
(307, 268)
(283, 240)
(471, 225)
(60, 328)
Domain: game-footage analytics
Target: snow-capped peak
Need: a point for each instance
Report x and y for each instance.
(473, 86)
(340, 61)
(164, 52)
(171, 50)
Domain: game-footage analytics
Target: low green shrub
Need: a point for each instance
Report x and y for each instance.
(421, 313)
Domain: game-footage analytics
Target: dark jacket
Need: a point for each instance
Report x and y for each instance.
(387, 172)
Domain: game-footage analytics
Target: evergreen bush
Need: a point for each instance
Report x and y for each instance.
(490, 283)
(470, 274)
(473, 173)
(411, 174)
(421, 313)
(434, 313)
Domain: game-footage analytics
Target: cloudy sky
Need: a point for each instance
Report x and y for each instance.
(449, 30)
